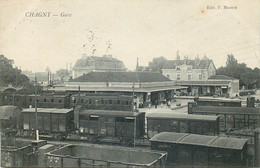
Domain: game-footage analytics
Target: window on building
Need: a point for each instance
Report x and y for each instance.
(200, 77)
(30, 100)
(126, 103)
(168, 75)
(44, 100)
(178, 77)
(89, 102)
(189, 68)
(118, 101)
(38, 99)
(178, 68)
(189, 76)
(82, 100)
(52, 100)
(102, 101)
(110, 102)
(60, 101)
(93, 117)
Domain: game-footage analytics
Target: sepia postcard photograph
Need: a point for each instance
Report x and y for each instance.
(133, 83)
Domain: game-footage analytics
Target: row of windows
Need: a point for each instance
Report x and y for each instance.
(188, 68)
(45, 100)
(178, 76)
(89, 101)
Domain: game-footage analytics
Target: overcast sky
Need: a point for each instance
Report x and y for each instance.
(127, 30)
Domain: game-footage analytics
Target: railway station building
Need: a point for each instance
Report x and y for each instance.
(148, 87)
(220, 85)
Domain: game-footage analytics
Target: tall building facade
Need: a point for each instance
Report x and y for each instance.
(189, 70)
(105, 63)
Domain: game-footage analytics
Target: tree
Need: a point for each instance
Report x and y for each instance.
(62, 73)
(10, 75)
(157, 64)
(247, 77)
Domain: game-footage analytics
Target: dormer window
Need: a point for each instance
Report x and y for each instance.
(178, 68)
(189, 68)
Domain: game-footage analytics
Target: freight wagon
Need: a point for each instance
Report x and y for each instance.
(184, 123)
(104, 156)
(56, 123)
(10, 119)
(121, 125)
(200, 150)
(230, 117)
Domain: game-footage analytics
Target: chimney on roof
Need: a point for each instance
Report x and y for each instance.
(197, 59)
(177, 56)
(137, 64)
(186, 59)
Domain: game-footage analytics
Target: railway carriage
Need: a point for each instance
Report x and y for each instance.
(184, 123)
(207, 101)
(103, 102)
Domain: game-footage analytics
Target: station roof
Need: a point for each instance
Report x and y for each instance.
(110, 112)
(46, 110)
(220, 109)
(202, 140)
(7, 111)
(119, 89)
(205, 83)
(222, 77)
(182, 116)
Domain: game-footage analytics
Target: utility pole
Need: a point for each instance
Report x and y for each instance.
(79, 96)
(36, 113)
(134, 110)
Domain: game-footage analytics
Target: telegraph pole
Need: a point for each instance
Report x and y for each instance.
(36, 115)
(134, 108)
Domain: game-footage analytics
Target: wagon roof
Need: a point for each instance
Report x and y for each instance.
(219, 109)
(219, 99)
(170, 137)
(47, 110)
(201, 140)
(230, 143)
(7, 111)
(181, 116)
(109, 112)
(38, 96)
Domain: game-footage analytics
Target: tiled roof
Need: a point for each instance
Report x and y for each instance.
(135, 77)
(199, 64)
(222, 77)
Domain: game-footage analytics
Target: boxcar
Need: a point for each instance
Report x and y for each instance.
(201, 150)
(19, 100)
(218, 102)
(49, 101)
(51, 121)
(184, 123)
(104, 156)
(230, 117)
(103, 102)
(10, 119)
(120, 125)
